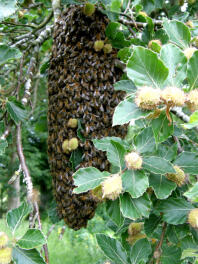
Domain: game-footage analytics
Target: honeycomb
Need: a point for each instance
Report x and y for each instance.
(80, 86)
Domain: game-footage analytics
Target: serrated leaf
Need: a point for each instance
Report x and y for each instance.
(135, 182)
(176, 62)
(192, 193)
(16, 111)
(168, 253)
(7, 53)
(127, 111)
(15, 216)
(178, 33)
(125, 85)
(161, 128)
(112, 249)
(115, 155)
(135, 208)
(22, 256)
(87, 179)
(3, 146)
(161, 185)
(157, 165)
(145, 68)
(192, 72)
(151, 224)
(145, 141)
(188, 162)
(7, 8)
(31, 239)
(113, 210)
(175, 210)
(140, 251)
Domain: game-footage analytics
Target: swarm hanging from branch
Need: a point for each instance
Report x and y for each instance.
(80, 87)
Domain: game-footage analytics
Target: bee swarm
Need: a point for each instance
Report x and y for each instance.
(80, 86)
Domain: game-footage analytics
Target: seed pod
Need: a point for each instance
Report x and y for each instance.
(107, 48)
(73, 123)
(178, 177)
(98, 45)
(5, 255)
(112, 187)
(193, 218)
(133, 161)
(192, 100)
(173, 96)
(88, 9)
(147, 98)
(3, 239)
(188, 52)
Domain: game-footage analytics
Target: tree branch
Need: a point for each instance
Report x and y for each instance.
(158, 250)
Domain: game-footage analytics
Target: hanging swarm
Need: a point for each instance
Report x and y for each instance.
(80, 87)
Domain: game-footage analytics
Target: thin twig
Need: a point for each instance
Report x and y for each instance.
(20, 76)
(179, 147)
(17, 24)
(158, 250)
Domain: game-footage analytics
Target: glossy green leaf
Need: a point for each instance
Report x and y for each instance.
(170, 254)
(188, 161)
(125, 85)
(7, 53)
(192, 72)
(161, 128)
(190, 253)
(7, 8)
(145, 68)
(157, 165)
(145, 141)
(15, 216)
(87, 179)
(127, 111)
(3, 146)
(175, 233)
(124, 54)
(140, 251)
(31, 239)
(161, 185)
(175, 210)
(113, 210)
(178, 33)
(192, 193)
(22, 256)
(135, 208)
(176, 62)
(112, 249)
(16, 111)
(135, 182)
(104, 143)
(151, 224)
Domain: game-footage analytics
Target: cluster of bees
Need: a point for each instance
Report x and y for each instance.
(80, 86)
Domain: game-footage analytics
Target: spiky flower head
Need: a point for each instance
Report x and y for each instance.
(178, 177)
(193, 218)
(135, 228)
(173, 96)
(132, 239)
(89, 9)
(98, 45)
(192, 100)
(65, 146)
(5, 255)
(133, 161)
(190, 24)
(188, 52)
(155, 45)
(107, 48)
(147, 98)
(73, 144)
(3, 239)
(112, 187)
(73, 123)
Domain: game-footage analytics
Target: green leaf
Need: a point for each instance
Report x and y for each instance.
(16, 111)
(176, 62)
(161, 128)
(190, 253)
(116, 154)
(161, 185)
(157, 165)
(167, 152)
(179, 33)
(192, 193)
(170, 255)
(175, 233)
(135, 182)
(127, 111)
(76, 158)
(7, 8)
(113, 210)
(140, 251)
(3, 146)
(125, 85)
(87, 179)
(135, 208)
(188, 162)
(145, 141)
(175, 210)
(104, 144)
(32, 238)
(124, 54)
(22, 256)
(15, 216)
(112, 249)
(193, 122)
(192, 72)
(115, 5)
(151, 224)
(145, 68)
(7, 53)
